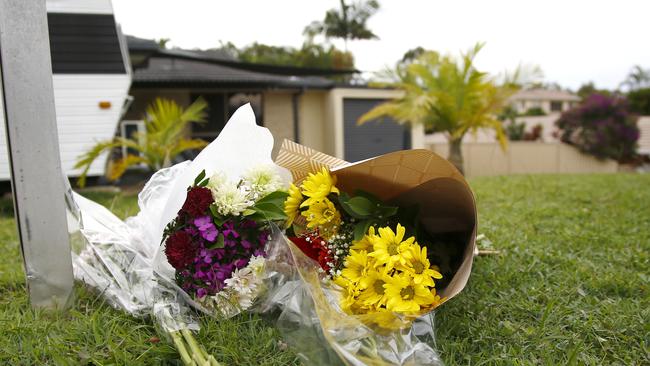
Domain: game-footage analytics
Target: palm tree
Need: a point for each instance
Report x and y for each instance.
(637, 78)
(447, 96)
(165, 127)
(349, 22)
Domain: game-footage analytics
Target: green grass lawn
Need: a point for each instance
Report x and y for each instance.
(570, 286)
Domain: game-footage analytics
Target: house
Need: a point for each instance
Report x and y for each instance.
(91, 79)
(536, 107)
(547, 101)
(301, 104)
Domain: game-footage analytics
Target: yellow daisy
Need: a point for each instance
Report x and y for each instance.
(356, 264)
(405, 296)
(324, 216)
(389, 248)
(318, 186)
(373, 288)
(417, 266)
(366, 242)
(292, 204)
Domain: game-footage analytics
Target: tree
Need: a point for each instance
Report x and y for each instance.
(588, 89)
(447, 95)
(163, 42)
(309, 55)
(601, 126)
(640, 101)
(165, 127)
(637, 78)
(348, 22)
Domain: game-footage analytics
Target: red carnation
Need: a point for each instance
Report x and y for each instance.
(197, 202)
(180, 250)
(310, 245)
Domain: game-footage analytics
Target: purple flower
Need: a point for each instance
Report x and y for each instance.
(201, 292)
(246, 244)
(229, 230)
(206, 227)
(241, 263)
(260, 253)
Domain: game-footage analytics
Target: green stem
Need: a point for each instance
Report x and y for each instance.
(178, 342)
(194, 346)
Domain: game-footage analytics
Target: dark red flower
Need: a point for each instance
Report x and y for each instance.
(197, 202)
(310, 245)
(180, 250)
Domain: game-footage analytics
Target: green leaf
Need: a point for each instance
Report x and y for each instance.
(199, 178)
(216, 216)
(386, 211)
(277, 197)
(361, 206)
(368, 195)
(268, 207)
(204, 182)
(218, 244)
(361, 229)
(267, 216)
(248, 212)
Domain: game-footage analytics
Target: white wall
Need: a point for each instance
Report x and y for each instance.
(644, 138)
(486, 159)
(80, 120)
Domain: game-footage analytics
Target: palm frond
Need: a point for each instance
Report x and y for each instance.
(119, 167)
(187, 144)
(86, 160)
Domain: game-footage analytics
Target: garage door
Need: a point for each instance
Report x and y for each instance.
(372, 138)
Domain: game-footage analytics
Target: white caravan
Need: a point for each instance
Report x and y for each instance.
(91, 76)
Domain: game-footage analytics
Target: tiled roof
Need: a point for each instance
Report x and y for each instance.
(545, 94)
(162, 69)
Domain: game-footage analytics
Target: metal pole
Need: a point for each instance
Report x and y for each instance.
(32, 140)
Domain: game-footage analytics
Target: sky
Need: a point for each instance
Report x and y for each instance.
(572, 41)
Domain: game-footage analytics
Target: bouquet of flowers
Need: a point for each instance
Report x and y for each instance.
(199, 241)
(377, 245)
(352, 237)
(216, 243)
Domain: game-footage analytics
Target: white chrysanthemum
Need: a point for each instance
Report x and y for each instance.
(242, 288)
(217, 180)
(262, 181)
(230, 199)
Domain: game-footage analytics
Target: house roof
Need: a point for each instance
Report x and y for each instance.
(181, 72)
(155, 66)
(545, 94)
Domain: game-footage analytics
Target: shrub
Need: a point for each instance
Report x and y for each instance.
(601, 126)
(640, 101)
(535, 111)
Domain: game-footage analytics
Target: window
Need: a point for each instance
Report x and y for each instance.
(127, 130)
(84, 44)
(220, 108)
(216, 119)
(556, 106)
(237, 100)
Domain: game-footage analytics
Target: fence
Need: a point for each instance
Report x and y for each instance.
(483, 159)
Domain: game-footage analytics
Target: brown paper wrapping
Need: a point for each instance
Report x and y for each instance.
(405, 178)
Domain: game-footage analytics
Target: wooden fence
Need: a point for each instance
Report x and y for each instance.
(484, 159)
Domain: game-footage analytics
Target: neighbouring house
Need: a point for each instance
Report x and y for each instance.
(535, 107)
(301, 104)
(644, 137)
(546, 100)
(551, 102)
(91, 79)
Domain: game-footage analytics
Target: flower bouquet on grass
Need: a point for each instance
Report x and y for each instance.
(216, 243)
(376, 245)
(201, 240)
